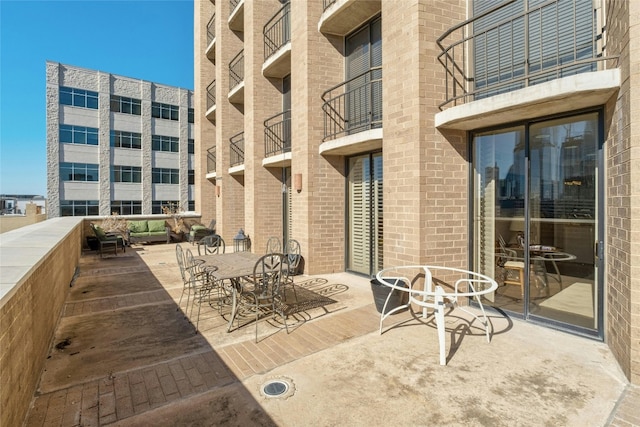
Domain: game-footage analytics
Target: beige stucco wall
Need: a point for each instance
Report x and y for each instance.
(32, 216)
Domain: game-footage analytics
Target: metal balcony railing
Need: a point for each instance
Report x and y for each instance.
(211, 29)
(507, 48)
(277, 134)
(326, 4)
(237, 149)
(211, 159)
(277, 32)
(353, 106)
(211, 95)
(236, 70)
(232, 5)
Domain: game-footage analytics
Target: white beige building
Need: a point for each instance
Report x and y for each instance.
(117, 144)
(442, 132)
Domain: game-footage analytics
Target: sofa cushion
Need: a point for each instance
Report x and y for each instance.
(138, 226)
(156, 225)
(195, 228)
(100, 234)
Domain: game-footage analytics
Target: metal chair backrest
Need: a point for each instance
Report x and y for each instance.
(180, 259)
(273, 246)
(293, 254)
(269, 273)
(212, 244)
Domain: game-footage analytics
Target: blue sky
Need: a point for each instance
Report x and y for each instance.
(143, 39)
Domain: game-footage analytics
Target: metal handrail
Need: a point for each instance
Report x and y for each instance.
(211, 29)
(232, 5)
(236, 70)
(356, 107)
(458, 56)
(237, 149)
(211, 159)
(277, 31)
(277, 134)
(326, 4)
(211, 95)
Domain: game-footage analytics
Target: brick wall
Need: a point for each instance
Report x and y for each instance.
(29, 312)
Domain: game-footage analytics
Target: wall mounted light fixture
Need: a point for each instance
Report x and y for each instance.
(297, 182)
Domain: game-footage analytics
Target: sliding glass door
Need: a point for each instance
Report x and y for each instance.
(537, 225)
(364, 214)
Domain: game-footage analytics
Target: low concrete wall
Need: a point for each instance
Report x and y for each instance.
(37, 265)
(12, 222)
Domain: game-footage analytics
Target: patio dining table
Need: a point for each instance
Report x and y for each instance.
(468, 284)
(232, 267)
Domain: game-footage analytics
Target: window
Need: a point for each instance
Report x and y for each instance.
(164, 143)
(78, 207)
(126, 174)
(126, 139)
(191, 177)
(165, 176)
(191, 206)
(70, 134)
(78, 97)
(78, 172)
(157, 205)
(122, 104)
(191, 115)
(126, 207)
(164, 111)
(191, 146)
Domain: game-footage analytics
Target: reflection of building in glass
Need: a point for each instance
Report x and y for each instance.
(578, 176)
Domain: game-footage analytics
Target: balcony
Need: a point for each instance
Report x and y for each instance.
(353, 115)
(118, 347)
(211, 162)
(211, 39)
(507, 64)
(236, 15)
(211, 101)
(277, 140)
(340, 17)
(236, 79)
(236, 160)
(277, 44)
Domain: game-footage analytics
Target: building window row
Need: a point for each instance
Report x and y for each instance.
(165, 143)
(165, 176)
(191, 146)
(124, 139)
(79, 207)
(126, 174)
(78, 172)
(78, 97)
(157, 205)
(126, 207)
(192, 118)
(122, 104)
(70, 134)
(191, 176)
(164, 111)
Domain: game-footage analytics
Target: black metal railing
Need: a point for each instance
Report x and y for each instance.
(237, 149)
(211, 29)
(211, 95)
(236, 70)
(211, 159)
(232, 5)
(326, 4)
(277, 32)
(277, 134)
(507, 48)
(353, 106)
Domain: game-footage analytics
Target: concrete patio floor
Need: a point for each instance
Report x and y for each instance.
(124, 354)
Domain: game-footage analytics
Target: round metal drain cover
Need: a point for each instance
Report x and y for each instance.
(278, 388)
(275, 388)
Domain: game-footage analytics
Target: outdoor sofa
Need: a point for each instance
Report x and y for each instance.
(148, 230)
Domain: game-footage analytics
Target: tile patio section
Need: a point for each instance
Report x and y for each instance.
(123, 354)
